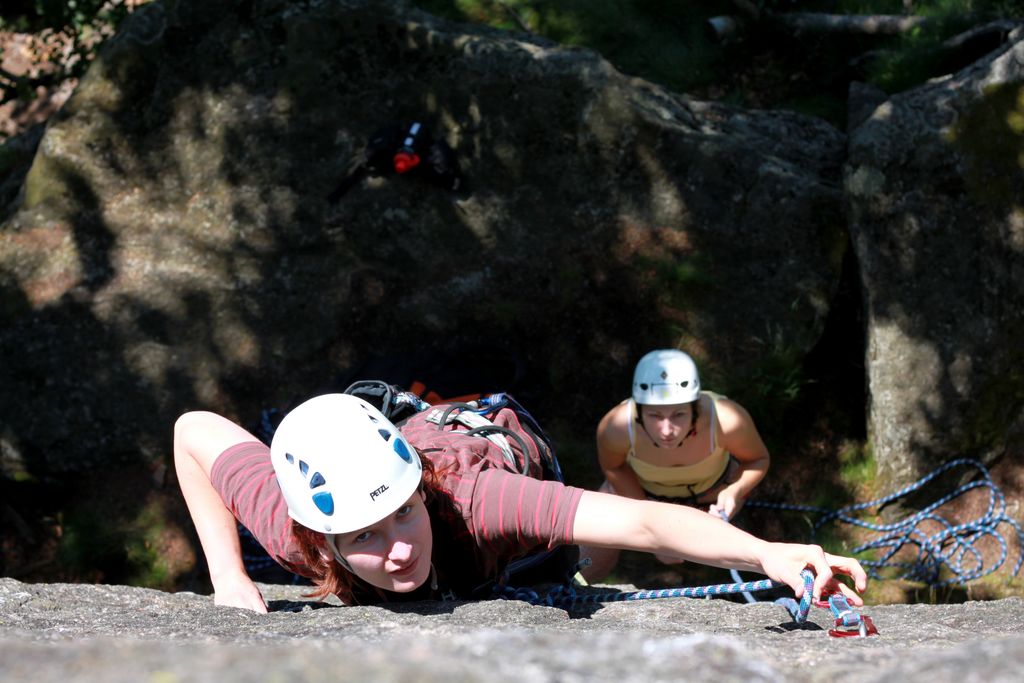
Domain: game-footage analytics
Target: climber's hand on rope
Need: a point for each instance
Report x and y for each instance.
(727, 505)
(784, 561)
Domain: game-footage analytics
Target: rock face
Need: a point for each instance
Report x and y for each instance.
(935, 186)
(175, 247)
(59, 632)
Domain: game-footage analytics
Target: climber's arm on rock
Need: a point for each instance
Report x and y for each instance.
(199, 438)
(610, 521)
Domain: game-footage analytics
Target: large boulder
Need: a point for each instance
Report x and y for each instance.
(175, 246)
(936, 189)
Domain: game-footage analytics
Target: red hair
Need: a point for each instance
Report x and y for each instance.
(328, 574)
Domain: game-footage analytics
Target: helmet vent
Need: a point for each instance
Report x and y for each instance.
(369, 414)
(316, 480)
(402, 450)
(303, 467)
(385, 433)
(324, 502)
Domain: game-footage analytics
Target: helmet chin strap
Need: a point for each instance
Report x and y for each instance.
(337, 555)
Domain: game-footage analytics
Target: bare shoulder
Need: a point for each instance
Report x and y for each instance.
(738, 432)
(731, 415)
(205, 435)
(613, 429)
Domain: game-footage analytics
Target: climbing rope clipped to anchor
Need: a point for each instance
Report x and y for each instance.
(848, 622)
(566, 595)
(952, 546)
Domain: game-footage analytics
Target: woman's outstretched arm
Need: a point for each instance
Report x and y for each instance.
(199, 438)
(615, 522)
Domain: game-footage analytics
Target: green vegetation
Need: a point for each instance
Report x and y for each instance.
(857, 468)
(678, 276)
(775, 384)
(991, 137)
(780, 376)
(765, 66)
(664, 42)
(99, 547)
(142, 549)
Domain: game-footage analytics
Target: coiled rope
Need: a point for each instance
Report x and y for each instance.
(951, 547)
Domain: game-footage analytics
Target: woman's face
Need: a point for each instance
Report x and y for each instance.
(667, 425)
(394, 553)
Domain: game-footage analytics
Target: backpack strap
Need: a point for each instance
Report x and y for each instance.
(502, 420)
(479, 425)
(544, 444)
(395, 403)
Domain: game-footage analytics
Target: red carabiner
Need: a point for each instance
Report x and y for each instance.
(406, 160)
(865, 629)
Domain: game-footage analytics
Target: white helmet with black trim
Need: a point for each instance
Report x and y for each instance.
(665, 377)
(341, 464)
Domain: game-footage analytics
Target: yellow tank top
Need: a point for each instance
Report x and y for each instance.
(682, 481)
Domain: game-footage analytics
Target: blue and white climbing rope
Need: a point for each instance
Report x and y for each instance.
(567, 596)
(847, 620)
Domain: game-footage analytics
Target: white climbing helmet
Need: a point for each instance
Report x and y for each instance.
(665, 377)
(341, 464)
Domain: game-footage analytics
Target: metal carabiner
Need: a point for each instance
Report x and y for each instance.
(865, 628)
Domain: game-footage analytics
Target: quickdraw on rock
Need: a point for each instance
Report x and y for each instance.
(848, 622)
(408, 150)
